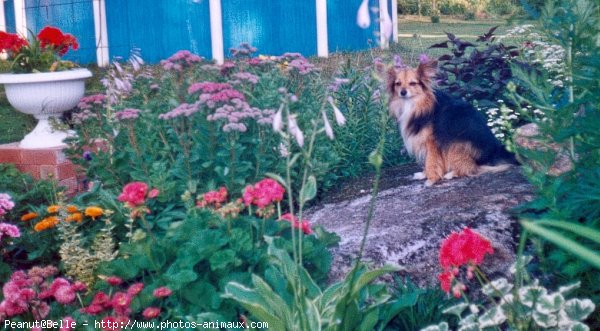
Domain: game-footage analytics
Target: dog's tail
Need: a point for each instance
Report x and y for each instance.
(493, 169)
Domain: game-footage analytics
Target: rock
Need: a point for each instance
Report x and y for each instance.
(411, 220)
(528, 137)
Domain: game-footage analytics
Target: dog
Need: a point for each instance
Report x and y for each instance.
(445, 134)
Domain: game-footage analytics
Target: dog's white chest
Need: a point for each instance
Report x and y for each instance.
(414, 143)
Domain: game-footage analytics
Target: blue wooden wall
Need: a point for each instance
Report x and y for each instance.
(71, 16)
(274, 27)
(9, 16)
(159, 28)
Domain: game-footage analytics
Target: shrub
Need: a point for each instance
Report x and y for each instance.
(571, 123)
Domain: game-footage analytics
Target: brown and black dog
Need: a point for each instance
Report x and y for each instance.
(444, 133)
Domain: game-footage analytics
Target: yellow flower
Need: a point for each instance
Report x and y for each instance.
(77, 217)
(93, 212)
(29, 216)
(72, 209)
(53, 209)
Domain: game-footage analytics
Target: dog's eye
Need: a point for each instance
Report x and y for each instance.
(398, 83)
(412, 83)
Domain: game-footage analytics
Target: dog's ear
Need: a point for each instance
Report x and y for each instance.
(427, 70)
(391, 79)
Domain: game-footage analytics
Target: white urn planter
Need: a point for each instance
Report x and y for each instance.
(45, 95)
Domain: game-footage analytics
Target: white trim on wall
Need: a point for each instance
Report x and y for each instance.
(101, 33)
(216, 31)
(20, 18)
(322, 37)
(395, 20)
(2, 17)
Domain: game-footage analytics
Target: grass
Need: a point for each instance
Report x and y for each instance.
(416, 35)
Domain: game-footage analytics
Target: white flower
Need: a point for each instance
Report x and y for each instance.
(339, 117)
(295, 130)
(278, 120)
(328, 129)
(362, 17)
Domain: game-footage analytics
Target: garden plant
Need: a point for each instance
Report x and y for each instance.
(198, 177)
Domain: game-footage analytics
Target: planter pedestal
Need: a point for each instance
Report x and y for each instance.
(45, 95)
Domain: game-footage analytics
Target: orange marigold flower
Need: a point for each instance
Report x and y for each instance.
(29, 216)
(53, 209)
(77, 217)
(93, 212)
(72, 209)
(46, 223)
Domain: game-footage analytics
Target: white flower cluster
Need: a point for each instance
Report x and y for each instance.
(537, 50)
(503, 120)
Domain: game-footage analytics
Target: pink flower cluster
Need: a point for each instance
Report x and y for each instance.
(135, 193)
(213, 198)
(183, 109)
(243, 77)
(89, 101)
(244, 49)
(181, 60)
(464, 248)
(298, 62)
(236, 112)
(6, 203)
(9, 230)
(31, 292)
(127, 114)
(118, 304)
(82, 116)
(208, 87)
(263, 193)
(304, 225)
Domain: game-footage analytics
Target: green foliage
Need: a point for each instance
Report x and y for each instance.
(353, 304)
(200, 254)
(413, 308)
(572, 127)
(28, 195)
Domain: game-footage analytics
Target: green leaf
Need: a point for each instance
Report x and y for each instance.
(277, 304)
(578, 309)
(545, 320)
(223, 259)
(179, 279)
(202, 294)
(253, 303)
(309, 191)
(578, 229)
(497, 288)
(369, 320)
(440, 327)
(565, 243)
(492, 317)
(369, 276)
(550, 303)
(456, 309)
(578, 326)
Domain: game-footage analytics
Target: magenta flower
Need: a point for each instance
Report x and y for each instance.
(263, 193)
(162, 292)
(9, 230)
(114, 281)
(151, 312)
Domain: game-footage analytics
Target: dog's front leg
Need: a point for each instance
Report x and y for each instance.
(434, 163)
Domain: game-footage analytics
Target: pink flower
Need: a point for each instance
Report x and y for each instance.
(304, 225)
(445, 279)
(120, 303)
(114, 281)
(9, 230)
(65, 294)
(151, 312)
(135, 289)
(134, 194)
(263, 193)
(153, 193)
(216, 198)
(162, 292)
(108, 322)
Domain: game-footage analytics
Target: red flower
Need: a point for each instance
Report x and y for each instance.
(134, 194)
(304, 225)
(109, 323)
(53, 37)
(114, 281)
(445, 279)
(11, 42)
(151, 312)
(466, 247)
(162, 292)
(263, 193)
